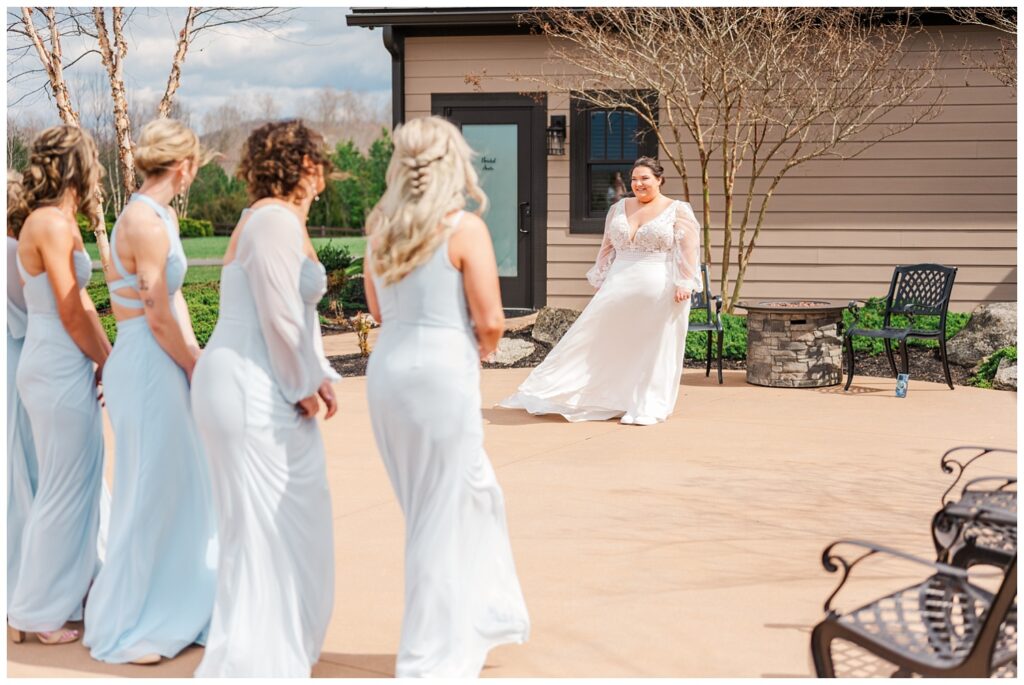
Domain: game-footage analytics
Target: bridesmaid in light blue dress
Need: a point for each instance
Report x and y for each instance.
(440, 313)
(154, 594)
(61, 361)
(22, 470)
(255, 396)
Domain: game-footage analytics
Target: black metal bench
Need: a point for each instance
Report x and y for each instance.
(944, 626)
(918, 289)
(960, 537)
(712, 325)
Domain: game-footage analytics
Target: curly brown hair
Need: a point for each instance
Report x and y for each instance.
(272, 158)
(61, 158)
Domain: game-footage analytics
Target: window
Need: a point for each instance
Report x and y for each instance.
(603, 144)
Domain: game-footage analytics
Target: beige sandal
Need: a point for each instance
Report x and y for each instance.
(147, 660)
(53, 637)
(58, 637)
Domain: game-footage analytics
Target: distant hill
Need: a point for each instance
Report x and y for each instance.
(338, 115)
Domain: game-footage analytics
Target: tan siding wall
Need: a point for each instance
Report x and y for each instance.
(944, 191)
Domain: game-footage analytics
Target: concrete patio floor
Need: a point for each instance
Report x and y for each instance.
(690, 548)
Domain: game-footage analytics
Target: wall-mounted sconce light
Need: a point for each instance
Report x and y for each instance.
(556, 136)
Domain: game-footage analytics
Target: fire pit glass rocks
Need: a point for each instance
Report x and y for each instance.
(794, 343)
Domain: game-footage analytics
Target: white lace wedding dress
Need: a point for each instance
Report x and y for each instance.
(624, 354)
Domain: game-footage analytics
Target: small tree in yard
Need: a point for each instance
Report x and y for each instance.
(1001, 63)
(112, 47)
(745, 94)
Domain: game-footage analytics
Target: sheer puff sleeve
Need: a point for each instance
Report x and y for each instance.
(270, 253)
(606, 255)
(686, 249)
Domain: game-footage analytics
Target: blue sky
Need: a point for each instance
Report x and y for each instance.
(314, 49)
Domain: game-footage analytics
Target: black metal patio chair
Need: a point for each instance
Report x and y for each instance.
(944, 626)
(961, 538)
(712, 324)
(915, 290)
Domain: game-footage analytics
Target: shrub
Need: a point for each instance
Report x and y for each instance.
(334, 257)
(344, 279)
(353, 295)
(83, 225)
(734, 345)
(195, 228)
(988, 367)
(99, 294)
(203, 300)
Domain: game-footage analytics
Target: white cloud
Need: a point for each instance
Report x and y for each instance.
(314, 50)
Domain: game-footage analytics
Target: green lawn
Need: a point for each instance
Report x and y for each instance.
(213, 248)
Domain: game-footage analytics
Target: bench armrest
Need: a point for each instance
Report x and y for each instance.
(834, 562)
(950, 464)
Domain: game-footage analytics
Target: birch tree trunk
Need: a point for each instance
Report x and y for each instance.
(52, 62)
(174, 80)
(113, 59)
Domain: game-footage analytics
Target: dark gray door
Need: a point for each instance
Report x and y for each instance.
(504, 137)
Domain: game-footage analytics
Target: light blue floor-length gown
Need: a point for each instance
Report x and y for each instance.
(275, 576)
(22, 468)
(462, 595)
(57, 384)
(154, 594)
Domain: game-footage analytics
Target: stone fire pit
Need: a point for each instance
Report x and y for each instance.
(794, 343)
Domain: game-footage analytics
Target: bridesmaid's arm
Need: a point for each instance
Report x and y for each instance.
(74, 306)
(472, 253)
(150, 246)
(270, 251)
(369, 288)
(184, 318)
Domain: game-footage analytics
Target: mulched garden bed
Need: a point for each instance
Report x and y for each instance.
(925, 364)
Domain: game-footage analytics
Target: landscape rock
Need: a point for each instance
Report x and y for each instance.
(511, 350)
(992, 327)
(1006, 375)
(552, 323)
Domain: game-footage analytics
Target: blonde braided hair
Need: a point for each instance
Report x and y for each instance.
(429, 176)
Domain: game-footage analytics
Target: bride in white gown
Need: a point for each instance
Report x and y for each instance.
(624, 354)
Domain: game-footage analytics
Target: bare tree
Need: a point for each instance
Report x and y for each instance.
(755, 91)
(200, 19)
(113, 50)
(346, 115)
(52, 61)
(267, 107)
(113, 56)
(1003, 63)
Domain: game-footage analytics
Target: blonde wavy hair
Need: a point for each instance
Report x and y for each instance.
(430, 175)
(61, 159)
(165, 142)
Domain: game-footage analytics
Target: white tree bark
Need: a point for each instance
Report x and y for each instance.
(52, 62)
(113, 60)
(174, 80)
